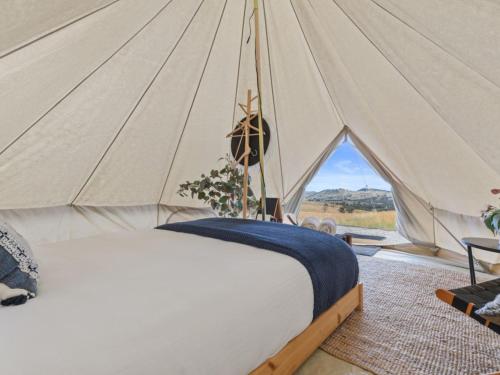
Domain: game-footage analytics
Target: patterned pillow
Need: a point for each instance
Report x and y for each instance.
(491, 311)
(18, 269)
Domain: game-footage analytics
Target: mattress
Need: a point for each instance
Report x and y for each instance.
(155, 302)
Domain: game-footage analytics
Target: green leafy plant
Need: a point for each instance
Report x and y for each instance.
(491, 216)
(222, 189)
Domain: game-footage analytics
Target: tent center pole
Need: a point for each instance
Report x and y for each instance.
(259, 110)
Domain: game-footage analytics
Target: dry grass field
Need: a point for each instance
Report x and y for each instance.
(366, 219)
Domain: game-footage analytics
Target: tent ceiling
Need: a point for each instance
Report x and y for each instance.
(114, 103)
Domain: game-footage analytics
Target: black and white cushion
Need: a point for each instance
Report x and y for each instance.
(18, 269)
(491, 311)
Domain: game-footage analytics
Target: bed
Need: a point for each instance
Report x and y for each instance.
(155, 301)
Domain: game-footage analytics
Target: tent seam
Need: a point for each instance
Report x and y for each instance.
(338, 110)
(192, 102)
(55, 30)
(23, 133)
(239, 65)
(238, 71)
(136, 105)
(274, 101)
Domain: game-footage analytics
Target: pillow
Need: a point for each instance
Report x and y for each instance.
(311, 222)
(491, 311)
(328, 226)
(18, 269)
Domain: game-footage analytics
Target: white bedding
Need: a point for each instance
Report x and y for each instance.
(155, 302)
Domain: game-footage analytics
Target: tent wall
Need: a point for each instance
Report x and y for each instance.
(57, 131)
(414, 216)
(52, 224)
(295, 196)
(450, 226)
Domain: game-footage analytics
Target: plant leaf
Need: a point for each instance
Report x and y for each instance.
(495, 223)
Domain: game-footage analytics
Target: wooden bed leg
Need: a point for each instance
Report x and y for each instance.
(360, 291)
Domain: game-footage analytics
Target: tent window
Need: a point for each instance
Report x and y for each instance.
(347, 189)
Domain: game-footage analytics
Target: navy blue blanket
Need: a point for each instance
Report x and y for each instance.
(331, 263)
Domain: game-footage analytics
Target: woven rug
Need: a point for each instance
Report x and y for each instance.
(405, 329)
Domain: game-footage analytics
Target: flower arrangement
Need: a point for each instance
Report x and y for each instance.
(491, 216)
(222, 189)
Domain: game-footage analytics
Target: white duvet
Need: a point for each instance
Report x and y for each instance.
(155, 302)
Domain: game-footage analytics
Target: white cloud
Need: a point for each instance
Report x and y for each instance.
(346, 166)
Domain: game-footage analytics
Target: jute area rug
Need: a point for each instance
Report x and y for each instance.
(405, 329)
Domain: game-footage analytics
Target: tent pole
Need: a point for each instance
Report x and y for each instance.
(246, 134)
(242, 131)
(259, 110)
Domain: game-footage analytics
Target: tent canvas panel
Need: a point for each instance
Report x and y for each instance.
(45, 72)
(135, 167)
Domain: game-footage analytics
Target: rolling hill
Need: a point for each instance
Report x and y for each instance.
(362, 199)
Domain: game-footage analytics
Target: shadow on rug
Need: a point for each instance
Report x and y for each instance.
(405, 329)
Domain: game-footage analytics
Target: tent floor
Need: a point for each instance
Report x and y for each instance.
(323, 363)
(390, 239)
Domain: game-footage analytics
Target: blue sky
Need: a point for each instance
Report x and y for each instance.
(347, 169)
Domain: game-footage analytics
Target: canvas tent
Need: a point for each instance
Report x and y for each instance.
(106, 106)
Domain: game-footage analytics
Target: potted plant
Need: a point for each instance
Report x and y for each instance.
(491, 216)
(222, 189)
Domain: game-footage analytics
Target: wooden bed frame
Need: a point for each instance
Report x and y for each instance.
(296, 352)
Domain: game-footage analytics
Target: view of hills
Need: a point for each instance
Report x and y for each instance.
(362, 199)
